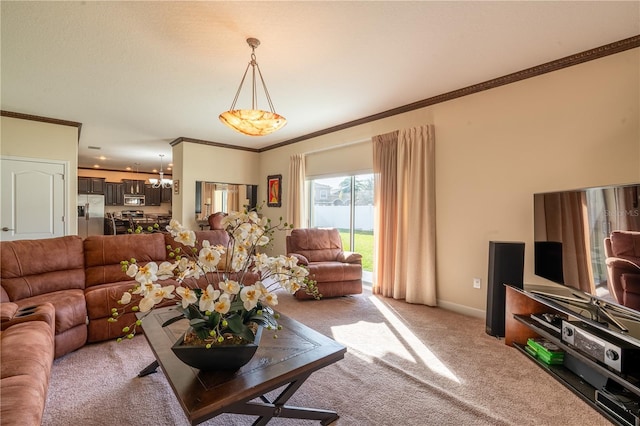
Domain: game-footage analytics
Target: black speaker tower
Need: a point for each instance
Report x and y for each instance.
(506, 266)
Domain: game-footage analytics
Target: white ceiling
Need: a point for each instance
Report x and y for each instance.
(138, 75)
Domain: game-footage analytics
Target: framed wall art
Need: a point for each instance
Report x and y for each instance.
(274, 186)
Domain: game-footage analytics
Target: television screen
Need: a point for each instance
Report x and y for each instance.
(570, 228)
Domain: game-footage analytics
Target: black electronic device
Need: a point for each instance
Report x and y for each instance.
(619, 355)
(620, 404)
(506, 266)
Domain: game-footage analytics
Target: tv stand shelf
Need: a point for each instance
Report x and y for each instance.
(519, 327)
(579, 387)
(627, 382)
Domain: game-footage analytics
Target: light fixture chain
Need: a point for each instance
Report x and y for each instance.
(233, 104)
(266, 91)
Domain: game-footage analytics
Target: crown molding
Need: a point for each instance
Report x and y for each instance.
(568, 61)
(209, 143)
(49, 120)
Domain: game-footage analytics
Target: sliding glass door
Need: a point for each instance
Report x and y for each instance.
(346, 203)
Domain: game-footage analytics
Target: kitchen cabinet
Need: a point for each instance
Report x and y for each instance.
(134, 187)
(114, 194)
(153, 196)
(167, 194)
(90, 185)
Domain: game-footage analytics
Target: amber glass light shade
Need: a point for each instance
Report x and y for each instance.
(253, 122)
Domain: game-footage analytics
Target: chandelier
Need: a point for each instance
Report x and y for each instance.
(254, 121)
(162, 182)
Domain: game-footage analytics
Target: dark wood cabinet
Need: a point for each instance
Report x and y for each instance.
(89, 185)
(114, 194)
(134, 187)
(167, 194)
(152, 196)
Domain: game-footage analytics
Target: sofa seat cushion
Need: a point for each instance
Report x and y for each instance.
(101, 299)
(22, 401)
(70, 307)
(33, 267)
(27, 349)
(334, 271)
(103, 254)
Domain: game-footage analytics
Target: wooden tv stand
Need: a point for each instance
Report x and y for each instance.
(519, 327)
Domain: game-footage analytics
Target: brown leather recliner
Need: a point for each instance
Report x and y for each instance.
(622, 249)
(215, 220)
(337, 272)
(33, 272)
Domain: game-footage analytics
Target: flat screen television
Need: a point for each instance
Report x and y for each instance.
(569, 232)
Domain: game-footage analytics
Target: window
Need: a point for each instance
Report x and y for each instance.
(346, 203)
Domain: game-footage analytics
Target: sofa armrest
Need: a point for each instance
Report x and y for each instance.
(623, 264)
(349, 257)
(302, 260)
(7, 311)
(42, 312)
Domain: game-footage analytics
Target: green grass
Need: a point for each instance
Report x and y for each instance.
(363, 242)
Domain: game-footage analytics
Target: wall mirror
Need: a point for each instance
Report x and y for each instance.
(212, 197)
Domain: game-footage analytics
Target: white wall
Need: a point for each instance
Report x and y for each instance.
(36, 139)
(572, 128)
(194, 162)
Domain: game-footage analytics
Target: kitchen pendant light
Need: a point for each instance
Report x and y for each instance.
(162, 182)
(254, 121)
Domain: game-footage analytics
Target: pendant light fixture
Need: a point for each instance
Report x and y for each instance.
(137, 189)
(162, 182)
(254, 121)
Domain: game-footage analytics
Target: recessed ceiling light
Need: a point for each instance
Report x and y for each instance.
(102, 157)
(129, 168)
(96, 166)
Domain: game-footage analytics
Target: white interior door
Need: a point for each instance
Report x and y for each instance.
(33, 199)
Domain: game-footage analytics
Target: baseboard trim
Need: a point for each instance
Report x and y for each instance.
(461, 309)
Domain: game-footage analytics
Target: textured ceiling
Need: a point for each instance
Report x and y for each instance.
(138, 75)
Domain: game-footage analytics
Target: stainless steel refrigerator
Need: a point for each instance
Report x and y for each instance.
(90, 215)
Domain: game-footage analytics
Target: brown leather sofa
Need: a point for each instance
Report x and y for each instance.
(63, 290)
(33, 272)
(27, 351)
(622, 249)
(337, 272)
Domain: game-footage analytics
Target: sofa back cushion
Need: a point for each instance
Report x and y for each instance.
(316, 244)
(214, 236)
(103, 254)
(625, 244)
(32, 267)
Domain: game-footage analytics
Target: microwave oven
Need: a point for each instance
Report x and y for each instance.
(134, 200)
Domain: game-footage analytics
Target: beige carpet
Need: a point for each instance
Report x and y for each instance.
(405, 365)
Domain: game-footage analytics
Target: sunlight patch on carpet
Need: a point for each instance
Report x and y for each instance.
(413, 343)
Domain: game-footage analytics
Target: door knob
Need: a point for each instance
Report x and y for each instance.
(5, 229)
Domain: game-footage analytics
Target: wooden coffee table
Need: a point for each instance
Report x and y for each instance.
(286, 361)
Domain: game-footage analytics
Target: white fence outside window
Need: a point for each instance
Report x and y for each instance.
(338, 217)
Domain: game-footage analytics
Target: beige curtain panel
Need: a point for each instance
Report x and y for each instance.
(571, 227)
(296, 208)
(405, 232)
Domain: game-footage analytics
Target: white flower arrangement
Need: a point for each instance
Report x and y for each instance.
(224, 312)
